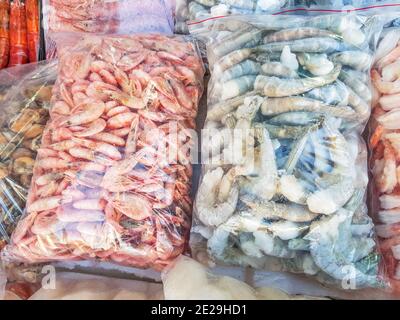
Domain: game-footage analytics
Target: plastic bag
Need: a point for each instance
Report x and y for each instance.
(187, 279)
(14, 290)
(285, 174)
(105, 16)
(76, 286)
(187, 10)
(113, 179)
(385, 149)
(70, 286)
(3, 281)
(335, 4)
(24, 113)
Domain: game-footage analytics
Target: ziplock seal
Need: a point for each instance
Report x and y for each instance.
(190, 23)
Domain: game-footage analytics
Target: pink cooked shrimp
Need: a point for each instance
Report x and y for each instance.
(388, 180)
(389, 58)
(91, 111)
(109, 138)
(121, 120)
(385, 87)
(105, 148)
(93, 128)
(102, 186)
(46, 204)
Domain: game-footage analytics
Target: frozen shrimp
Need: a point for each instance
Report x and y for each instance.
(103, 186)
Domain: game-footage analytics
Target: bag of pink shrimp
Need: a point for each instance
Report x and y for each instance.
(112, 179)
(384, 146)
(105, 17)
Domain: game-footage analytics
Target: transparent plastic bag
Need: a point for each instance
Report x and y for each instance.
(113, 179)
(3, 282)
(24, 113)
(187, 10)
(384, 145)
(285, 168)
(75, 286)
(335, 4)
(187, 279)
(105, 16)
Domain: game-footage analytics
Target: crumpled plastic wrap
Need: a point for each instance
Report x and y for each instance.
(24, 113)
(105, 16)
(112, 181)
(285, 167)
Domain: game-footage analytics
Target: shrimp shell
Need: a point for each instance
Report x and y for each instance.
(275, 106)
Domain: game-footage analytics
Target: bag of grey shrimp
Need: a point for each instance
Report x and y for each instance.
(112, 179)
(285, 175)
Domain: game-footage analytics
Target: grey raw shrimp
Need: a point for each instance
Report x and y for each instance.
(291, 187)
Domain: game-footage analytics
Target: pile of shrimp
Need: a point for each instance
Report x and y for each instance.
(19, 32)
(112, 179)
(385, 148)
(285, 175)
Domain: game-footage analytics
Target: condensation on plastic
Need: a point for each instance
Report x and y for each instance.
(106, 17)
(285, 174)
(26, 94)
(188, 10)
(113, 181)
(186, 279)
(385, 148)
